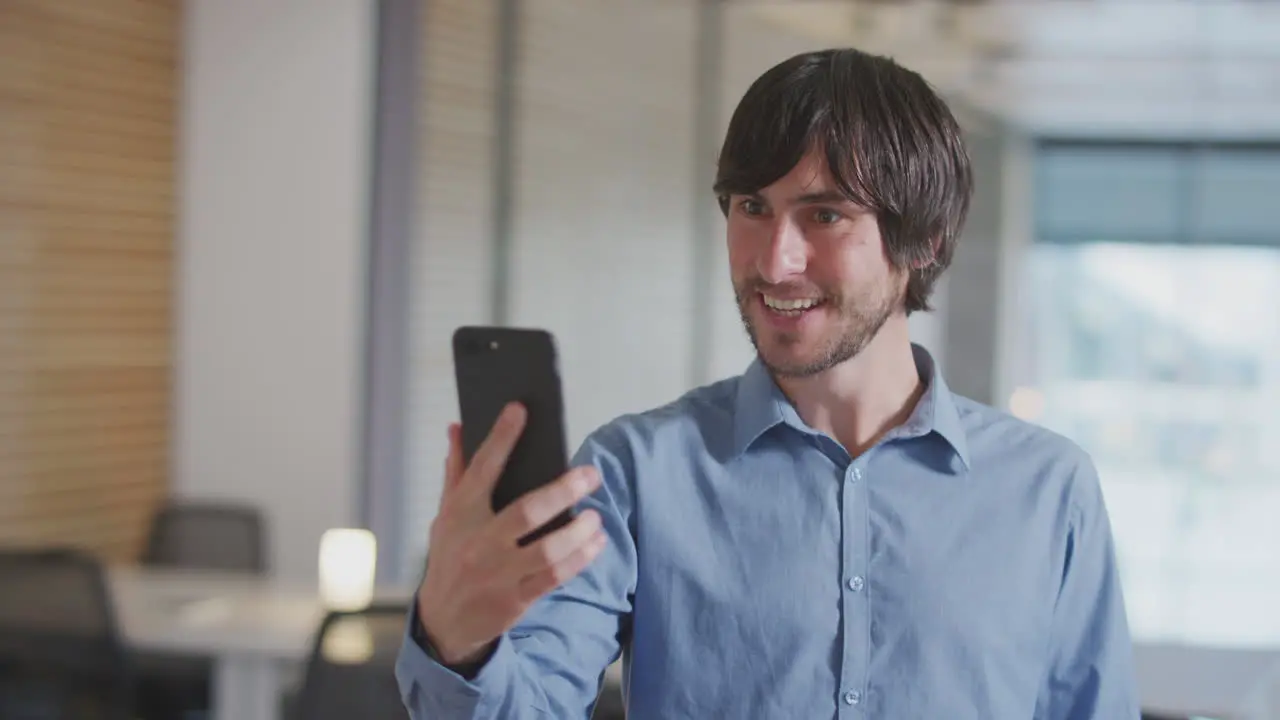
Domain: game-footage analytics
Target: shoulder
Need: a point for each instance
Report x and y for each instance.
(657, 443)
(1010, 447)
(698, 420)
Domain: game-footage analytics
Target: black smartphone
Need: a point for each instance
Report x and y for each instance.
(495, 366)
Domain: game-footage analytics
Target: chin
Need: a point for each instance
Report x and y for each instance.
(793, 360)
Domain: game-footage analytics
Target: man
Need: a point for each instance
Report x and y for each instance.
(831, 534)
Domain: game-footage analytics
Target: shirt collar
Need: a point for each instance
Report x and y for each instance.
(760, 405)
(936, 412)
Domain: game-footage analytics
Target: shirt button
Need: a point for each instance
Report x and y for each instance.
(853, 697)
(856, 475)
(856, 583)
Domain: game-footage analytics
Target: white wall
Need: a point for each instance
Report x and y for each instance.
(976, 276)
(274, 173)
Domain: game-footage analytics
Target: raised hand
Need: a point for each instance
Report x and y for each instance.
(479, 580)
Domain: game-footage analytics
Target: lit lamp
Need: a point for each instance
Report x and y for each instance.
(349, 641)
(348, 562)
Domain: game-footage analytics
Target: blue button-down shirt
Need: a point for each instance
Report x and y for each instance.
(962, 568)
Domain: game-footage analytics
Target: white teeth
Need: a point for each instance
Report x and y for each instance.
(789, 305)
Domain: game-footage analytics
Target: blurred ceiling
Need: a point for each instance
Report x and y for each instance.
(1078, 67)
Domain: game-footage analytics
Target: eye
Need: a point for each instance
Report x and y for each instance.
(751, 206)
(826, 216)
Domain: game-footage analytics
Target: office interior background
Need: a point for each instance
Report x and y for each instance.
(236, 236)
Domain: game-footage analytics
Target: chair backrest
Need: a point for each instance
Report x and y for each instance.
(208, 536)
(351, 671)
(61, 656)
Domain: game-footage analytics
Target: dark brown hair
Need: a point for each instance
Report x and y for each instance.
(892, 145)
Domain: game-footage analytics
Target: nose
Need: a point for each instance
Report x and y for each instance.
(786, 255)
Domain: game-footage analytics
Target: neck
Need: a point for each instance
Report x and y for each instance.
(864, 397)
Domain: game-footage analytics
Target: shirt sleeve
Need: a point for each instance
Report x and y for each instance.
(1090, 672)
(552, 663)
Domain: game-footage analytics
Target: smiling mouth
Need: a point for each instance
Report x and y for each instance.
(791, 307)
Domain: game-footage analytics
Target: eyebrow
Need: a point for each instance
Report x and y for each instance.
(826, 196)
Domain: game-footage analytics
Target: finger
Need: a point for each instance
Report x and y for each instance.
(544, 581)
(535, 508)
(486, 466)
(558, 545)
(453, 465)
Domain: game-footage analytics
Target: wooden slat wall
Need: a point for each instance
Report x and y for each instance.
(87, 123)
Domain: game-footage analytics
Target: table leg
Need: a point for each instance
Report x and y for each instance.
(246, 687)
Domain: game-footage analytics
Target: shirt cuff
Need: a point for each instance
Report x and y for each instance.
(440, 691)
(419, 634)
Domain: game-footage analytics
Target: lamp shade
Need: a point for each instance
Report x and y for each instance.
(348, 563)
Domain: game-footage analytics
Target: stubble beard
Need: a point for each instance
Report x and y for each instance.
(858, 322)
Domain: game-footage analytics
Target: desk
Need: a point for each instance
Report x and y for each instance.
(254, 628)
(1241, 683)
(251, 627)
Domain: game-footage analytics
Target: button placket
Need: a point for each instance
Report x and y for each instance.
(855, 601)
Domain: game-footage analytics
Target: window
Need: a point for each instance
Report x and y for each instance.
(1152, 338)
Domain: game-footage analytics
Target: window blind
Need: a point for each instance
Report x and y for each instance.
(602, 246)
(87, 113)
(451, 251)
(1157, 192)
(600, 251)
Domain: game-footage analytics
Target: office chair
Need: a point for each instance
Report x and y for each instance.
(185, 535)
(351, 670)
(208, 536)
(61, 655)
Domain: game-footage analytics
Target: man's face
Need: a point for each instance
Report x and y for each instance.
(809, 268)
